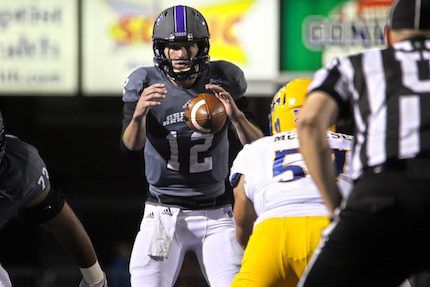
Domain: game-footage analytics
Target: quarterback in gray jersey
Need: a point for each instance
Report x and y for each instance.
(186, 170)
(25, 188)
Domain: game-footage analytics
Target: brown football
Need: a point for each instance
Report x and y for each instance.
(205, 114)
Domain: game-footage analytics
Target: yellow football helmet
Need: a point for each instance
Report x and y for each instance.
(286, 105)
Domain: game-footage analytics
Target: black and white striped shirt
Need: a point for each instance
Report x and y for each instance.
(388, 91)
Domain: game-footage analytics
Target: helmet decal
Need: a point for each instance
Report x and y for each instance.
(180, 20)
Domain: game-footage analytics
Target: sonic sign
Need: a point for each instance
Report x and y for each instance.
(120, 37)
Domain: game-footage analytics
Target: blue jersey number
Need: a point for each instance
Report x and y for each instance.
(298, 171)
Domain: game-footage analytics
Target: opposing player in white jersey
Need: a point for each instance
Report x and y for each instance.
(276, 200)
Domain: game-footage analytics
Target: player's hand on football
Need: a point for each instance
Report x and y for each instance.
(150, 97)
(231, 109)
(102, 283)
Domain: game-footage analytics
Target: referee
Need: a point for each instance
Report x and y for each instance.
(380, 235)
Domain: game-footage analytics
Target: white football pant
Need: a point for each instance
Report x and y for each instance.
(210, 233)
(4, 278)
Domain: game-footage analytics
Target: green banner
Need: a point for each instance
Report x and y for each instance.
(315, 31)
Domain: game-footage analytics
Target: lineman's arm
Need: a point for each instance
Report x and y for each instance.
(317, 114)
(246, 131)
(70, 233)
(244, 213)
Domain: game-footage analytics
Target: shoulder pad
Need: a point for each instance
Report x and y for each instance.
(229, 76)
(27, 171)
(138, 80)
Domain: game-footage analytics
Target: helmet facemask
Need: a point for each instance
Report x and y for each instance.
(181, 24)
(196, 65)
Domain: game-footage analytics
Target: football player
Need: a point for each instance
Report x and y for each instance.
(278, 210)
(187, 208)
(25, 188)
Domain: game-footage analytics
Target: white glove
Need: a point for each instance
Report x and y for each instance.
(102, 283)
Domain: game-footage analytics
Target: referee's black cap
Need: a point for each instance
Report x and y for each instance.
(410, 14)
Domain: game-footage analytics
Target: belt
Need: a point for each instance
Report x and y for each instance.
(188, 202)
(399, 165)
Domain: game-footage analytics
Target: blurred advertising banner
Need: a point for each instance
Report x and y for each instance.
(117, 38)
(314, 32)
(38, 47)
(63, 47)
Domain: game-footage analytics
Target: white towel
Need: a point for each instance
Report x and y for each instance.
(164, 229)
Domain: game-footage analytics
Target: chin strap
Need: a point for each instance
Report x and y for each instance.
(197, 66)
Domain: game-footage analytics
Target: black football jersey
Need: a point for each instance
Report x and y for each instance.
(23, 177)
(179, 161)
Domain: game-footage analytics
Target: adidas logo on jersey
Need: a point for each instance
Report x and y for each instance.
(4, 194)
(167, 211)
(150, 215)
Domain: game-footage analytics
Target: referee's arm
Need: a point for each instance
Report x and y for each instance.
(317, 115)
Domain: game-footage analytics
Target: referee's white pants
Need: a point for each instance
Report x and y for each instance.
(4, 278)
(210, 233)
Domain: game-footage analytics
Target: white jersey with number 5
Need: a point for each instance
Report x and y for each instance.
(276, 177)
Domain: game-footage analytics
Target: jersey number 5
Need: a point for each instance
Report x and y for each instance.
(297, 171)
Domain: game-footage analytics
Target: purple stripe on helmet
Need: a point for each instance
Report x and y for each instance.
(180, 19)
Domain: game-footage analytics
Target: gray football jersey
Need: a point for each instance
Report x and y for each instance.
(23, 177)
(178, 161)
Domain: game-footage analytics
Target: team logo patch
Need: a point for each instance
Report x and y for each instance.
(186, 104)
(228, 211)
(295, 112)
(174, 118)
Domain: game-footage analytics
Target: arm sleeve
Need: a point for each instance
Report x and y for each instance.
(47, 209)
